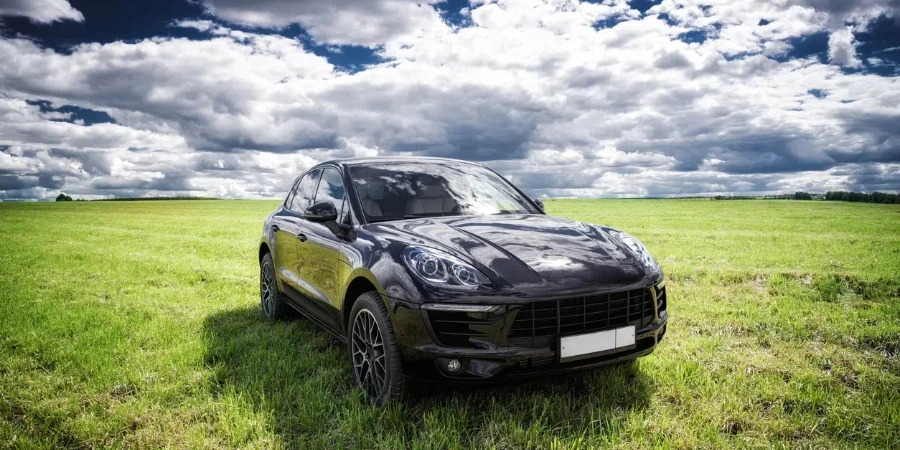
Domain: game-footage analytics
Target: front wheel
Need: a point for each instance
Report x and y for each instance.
(373, 351)
(273, 305)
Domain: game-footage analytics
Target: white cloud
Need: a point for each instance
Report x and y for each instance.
(842, 50)
(216, 93)
(41, 11)
(859, 12)
(21, 122)
(359, 22)
(745, 26)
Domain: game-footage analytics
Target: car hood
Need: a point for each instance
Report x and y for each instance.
(539, 252)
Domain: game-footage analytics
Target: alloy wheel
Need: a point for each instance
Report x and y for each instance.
(267, 289)
(367, 347)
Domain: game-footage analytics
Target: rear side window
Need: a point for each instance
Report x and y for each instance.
(291, 193)
(331, 189)
(305, 190)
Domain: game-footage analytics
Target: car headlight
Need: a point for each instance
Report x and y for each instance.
(639, 250)
(443, 270)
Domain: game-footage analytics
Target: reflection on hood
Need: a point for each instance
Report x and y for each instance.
(529, 250)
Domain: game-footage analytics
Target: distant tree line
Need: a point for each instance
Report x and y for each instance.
(875, 197)
(733, 197)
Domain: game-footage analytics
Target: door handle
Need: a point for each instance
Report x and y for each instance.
(302, 237)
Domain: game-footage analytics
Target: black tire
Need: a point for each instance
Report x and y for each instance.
(369, 310)
(271, 301)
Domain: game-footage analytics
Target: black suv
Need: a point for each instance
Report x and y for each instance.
(436, 269)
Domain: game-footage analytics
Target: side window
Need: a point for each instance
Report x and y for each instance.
(290, 195)
(305, 191)
(331, 189)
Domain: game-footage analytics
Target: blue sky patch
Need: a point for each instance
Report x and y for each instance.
(346, 58)
(693, 36)
(815, 44)
(643, 5)
(879, 47)
(110, 21)
(451, 12)
(610, 22)
(76, 113)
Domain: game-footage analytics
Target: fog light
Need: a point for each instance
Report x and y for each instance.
(453, 366)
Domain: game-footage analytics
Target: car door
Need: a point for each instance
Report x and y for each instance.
(290, 232)
(320, 254)
(283, 229)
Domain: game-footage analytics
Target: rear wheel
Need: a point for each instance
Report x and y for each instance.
(273, 306)
(373, 351)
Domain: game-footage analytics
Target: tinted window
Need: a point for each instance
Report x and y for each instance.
(408, 190)
(291, 193)
(305, 191)
(331, 189)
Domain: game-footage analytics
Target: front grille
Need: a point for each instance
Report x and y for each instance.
(535, 362)
(456, 328)
(541, 323)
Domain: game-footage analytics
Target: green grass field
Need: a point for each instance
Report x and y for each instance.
(136, 324)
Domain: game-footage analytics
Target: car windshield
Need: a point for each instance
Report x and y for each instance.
(409, 190)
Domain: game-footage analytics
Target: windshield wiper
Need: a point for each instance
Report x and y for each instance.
(407, 216)
(389, 219)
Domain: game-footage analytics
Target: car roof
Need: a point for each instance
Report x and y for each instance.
(394, 159)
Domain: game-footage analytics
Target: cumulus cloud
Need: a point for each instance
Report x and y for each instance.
(842, 50)
(41, 11)
(765, 26)
(358, 22)
(217, 93)
(744, 27)
(859, 13)
(566, 98)
(856, 11)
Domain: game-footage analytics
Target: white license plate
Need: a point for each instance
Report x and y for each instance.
(572, 347)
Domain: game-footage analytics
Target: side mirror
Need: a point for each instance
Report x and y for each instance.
(539, 202)
(321, 212)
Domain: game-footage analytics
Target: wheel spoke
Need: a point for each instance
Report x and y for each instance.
(267, 289)
(373, 330)
(367, 354)
(378, 379)
(358, 337)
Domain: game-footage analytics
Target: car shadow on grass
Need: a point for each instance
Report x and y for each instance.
(295, 377)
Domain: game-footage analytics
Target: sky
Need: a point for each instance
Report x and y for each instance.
(611, 98)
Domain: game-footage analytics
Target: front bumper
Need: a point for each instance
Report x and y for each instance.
(490, 346)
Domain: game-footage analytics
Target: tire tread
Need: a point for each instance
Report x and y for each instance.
(280, 309)
(397, 388)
